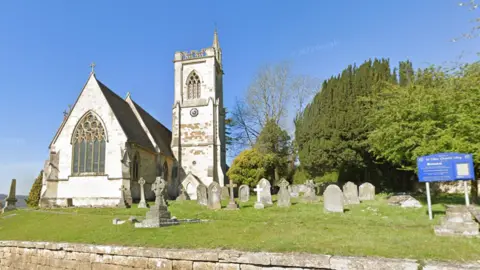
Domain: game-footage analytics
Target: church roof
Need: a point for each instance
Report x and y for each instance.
(127, 119)
(161, 134)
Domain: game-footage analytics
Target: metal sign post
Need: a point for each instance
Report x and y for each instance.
(445, 167)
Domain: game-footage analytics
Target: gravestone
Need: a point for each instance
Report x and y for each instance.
(232, 205)
(265, 193)
(350, 193)
(11, 200)
(244, 193)
(122, 203)
(309, 194)
(190, 184)
(143, 202)
(183, 196)
(366, 192)
(214, 193)
(202, 195)
(283, 196)
(333, 200)
(258, 203)
(404, 200)
(294, 190)
(158, 216)
(225, 194)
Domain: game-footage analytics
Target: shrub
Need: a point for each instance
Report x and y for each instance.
(34, 195)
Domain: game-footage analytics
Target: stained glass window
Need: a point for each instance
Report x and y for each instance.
(88, 145)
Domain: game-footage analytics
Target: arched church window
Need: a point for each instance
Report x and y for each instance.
(174, 172)
(88, 144)
(193, 86)
(135, 167)
(165, 171)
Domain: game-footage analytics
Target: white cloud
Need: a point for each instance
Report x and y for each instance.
(24, 172)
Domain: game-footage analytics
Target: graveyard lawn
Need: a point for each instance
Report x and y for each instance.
(368, 229)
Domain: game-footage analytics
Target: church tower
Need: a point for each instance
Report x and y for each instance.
(198, 125)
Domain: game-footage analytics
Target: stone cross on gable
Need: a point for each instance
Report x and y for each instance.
(92, 65)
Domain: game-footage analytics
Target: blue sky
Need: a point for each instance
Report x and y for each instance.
(46, 48)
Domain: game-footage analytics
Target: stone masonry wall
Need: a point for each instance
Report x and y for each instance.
(43, 255)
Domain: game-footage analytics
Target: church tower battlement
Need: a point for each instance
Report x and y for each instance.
(198, 124)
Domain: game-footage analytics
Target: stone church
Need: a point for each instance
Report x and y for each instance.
(106, 143)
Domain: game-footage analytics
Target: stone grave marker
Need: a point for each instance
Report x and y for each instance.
(283, 196)
(350, 192)
(122, 203)
(309, 194)
(202, 195)
(333, 199)
(11, 200)
(183, 196)
(265, 193)
(232, 205)
(214, 193)
(244, 193)
(366, 192)
(158, 216)
(258, 203)
(143, 202)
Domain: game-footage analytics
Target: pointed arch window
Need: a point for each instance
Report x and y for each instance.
(193, 86)
(165, 171)
(135, 167)
(88, 142)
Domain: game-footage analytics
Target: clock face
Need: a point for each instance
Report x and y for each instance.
(194, 112)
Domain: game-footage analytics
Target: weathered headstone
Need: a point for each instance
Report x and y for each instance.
(158, 216)
(309, 194)
(202, 194)
(265, 193)
(11, 200)
(366, 192)
(232, 205)
(333, 200)
(258, 203)
(294, 190)
(214, 193)
(190, 184)
(350, 192)
(143, 202)
(122, 203)
(225, 193)
(283, 196)
(183, 196)
(244, 193)
(404, 200)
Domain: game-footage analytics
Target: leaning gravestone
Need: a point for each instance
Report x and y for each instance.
(265, 193)
(244, 193)
(350, 192)
(158, 216)
(283, 196)
(11, 200)
(225, 193)
(366, 192)
(202, 194)
(333, 199)
(214, 193)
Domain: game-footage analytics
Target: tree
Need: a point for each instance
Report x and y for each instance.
(275, 141)
(34, 195)
(249, 167)
(273, 92)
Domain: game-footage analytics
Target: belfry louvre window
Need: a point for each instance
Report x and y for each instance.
(88, 144)
(193, 86)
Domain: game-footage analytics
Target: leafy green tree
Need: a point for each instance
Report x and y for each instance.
(34, 195)
(249, 167)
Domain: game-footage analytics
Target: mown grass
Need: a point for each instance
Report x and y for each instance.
(369, 229)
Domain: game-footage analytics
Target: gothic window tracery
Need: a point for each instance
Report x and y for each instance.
(193, 86)
(88, 142)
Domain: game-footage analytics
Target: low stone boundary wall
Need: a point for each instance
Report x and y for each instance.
(44, 255)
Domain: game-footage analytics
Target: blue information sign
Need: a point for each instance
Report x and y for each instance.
(445, 167)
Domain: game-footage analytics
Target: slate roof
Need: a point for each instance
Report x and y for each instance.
(127, 119)
(161, 135)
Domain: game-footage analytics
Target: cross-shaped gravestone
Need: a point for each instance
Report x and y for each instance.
(142, 203)
(159, 187)
(122, 203)
(232, 205)
(258, 204)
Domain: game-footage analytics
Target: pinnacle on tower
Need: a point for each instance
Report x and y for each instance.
(216, 45)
